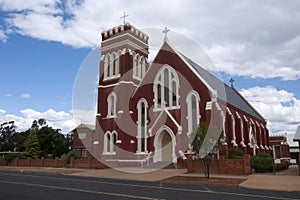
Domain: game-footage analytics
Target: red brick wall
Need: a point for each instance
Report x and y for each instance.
(222, 166)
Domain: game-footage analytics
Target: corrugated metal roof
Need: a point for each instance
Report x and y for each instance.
(225, 93)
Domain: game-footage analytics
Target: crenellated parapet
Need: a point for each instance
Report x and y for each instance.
(124, 28)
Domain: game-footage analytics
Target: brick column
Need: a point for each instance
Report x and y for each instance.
(16, 162)
(189, 163)
(71, 162)
(246, 164)
(42, 162)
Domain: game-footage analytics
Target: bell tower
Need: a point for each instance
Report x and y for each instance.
(123, 64)
(124, 49)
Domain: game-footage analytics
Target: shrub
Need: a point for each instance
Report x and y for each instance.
(11, 156)
(282, 166)
(262, 162)
(235, 154)
(73, 154)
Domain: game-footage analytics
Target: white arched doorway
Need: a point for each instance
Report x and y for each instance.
(164, 143)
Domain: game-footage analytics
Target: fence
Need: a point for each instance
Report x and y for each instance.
(88, 163)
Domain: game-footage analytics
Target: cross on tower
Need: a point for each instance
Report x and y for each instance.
(124, 16)
(231, 81)
(165, 31)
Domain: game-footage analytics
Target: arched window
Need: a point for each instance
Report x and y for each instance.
(107, 142)
(112, 65)
(116, 64)
(142, 126)
(193, 117)
(139, 67)
(114, 142)
(110, 140)
(166, 88)
(111, 102)
(107, 66)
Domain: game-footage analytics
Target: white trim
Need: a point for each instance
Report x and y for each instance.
(179, 128)
(189, 109)
(233, 141)
(111, 105)
(122, 43)
(223, 116)
(161, 82)
(155, 122)
(126, 34)
(242, 128)
(191, 68)
(139, 128)
(119, 83)
(112, 146)
(157, 144)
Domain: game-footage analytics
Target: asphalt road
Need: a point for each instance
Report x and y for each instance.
(31, 186)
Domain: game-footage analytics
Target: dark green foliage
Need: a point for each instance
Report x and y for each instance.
(205, 139)
(282, 166)
(7, 130)
(52, 142)
(19, 139)
(69, 140)
(9, 157)
(235, 154)
(262, 162)
(32, 145)
(73, 154)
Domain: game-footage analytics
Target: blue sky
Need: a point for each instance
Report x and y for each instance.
(43, 44)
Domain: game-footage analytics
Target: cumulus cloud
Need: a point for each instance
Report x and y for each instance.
(242, 37)
(56, 119)
(26, 96)
(279, 107)
(8, 95)
(3, 36)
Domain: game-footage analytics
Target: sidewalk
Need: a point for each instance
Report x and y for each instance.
(273, 182)
(264, 182)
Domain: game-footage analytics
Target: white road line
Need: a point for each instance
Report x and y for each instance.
(81, 190)
(155, 187)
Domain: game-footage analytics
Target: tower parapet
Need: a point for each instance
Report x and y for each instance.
(117, 30)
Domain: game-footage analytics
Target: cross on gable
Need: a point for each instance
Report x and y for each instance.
(165, 31)
(124, 16)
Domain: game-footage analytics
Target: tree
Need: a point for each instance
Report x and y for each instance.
(204, 141)
(32, 145)
(69, 140)
(19, 139)
(7, 130)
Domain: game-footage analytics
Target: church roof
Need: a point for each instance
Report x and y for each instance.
(297, 135)
(225, 93)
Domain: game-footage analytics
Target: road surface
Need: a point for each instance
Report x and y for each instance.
(31, 186)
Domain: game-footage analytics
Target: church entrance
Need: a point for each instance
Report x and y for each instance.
(164, 143)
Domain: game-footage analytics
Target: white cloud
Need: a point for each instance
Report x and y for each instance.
(26, 96)
(8, 95)
(279, 107)
(240, 37)
(56, 119)
(3, 36)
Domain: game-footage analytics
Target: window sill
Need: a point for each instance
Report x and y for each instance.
(142, 153)
(167, 108)
(111, 77)
(109, 154)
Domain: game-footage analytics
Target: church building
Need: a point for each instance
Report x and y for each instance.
(146, 111)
